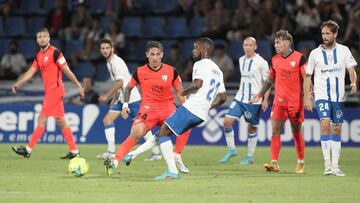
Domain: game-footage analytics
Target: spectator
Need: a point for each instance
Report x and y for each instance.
(216, 21)
(241, 22)
(12, 63)
(117, 37)
(186, 73)
(175, 58)
(79, 23)
(91, 96)
(57, 18)
(224, 61)
(307, 20)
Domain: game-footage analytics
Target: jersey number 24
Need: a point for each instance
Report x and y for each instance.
(213, 87)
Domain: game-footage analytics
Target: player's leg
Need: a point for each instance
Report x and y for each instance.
(252, 117)
(109, 129)
(299, 145)
(323, 110)
(69, 138)
(229, 138)
(337, 117)
(37, 133)
(179, 147)
(155, 151)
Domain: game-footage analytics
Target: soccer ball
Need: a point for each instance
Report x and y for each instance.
(78, 166)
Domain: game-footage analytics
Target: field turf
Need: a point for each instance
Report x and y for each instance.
(43, 178)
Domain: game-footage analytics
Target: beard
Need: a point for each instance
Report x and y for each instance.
(329, 43)
(196, 58)
(43, 46)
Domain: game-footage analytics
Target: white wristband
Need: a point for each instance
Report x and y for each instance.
(125, 105)
(352, 84)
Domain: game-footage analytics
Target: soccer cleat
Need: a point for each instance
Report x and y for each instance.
(247, 160)
(110, 167)
(127, 159)
(153, 157)
(70, 155)
(179, 164)
(328, 171)
(106, 155)
(167, 175)
(337, 172)
(230, 153)
(300, 168)
(21, 151)
(273, 166)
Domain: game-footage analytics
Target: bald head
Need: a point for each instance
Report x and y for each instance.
(249, 46)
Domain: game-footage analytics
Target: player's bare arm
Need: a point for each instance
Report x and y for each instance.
(220, 99)
(125, 110)
(27, 76)
(73, 79)
(353, 79)
(308, 95)
(116, 87)
(178, 92)
(266, 86)
(265, 103)
(193, 87)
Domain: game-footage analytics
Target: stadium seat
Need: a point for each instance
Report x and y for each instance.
(73, 46)
(15, 26)
(28, 47)
(48, 5)
(186, 49)
(140, 49)
(30, 6)
(132, 66)
(4, 46)
(56, 43)
(220, 42)
(34, 24)
(264, 48)
(1, 26)
(84, 69)
(97, 6)
(176, 27)
(153, 27)
(165, 6)
(147, 5)
(196, 26)
(309, 44)
(131, 26)
(102, 73)
(236, 50)
(167, 46)
(106, 21)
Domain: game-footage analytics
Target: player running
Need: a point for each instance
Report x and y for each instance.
(51, 63)
(119, 74)
(254, 71)
(287, 73)
(156, 81)
(328, 63)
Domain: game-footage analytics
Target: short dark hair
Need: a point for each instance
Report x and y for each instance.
(44, 29)
(206, 41)
(154, 44)
(283, 35)
(106, 41)
(334, 27)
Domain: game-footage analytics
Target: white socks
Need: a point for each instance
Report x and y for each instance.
(335, 150)
(150, 143)
(110, 137)
(326, 148)
(166, 147)
(252, 141)
(229, 137)
(155, 149)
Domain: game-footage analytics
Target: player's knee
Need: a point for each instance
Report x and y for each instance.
(41, 121)
(227, 122)
(336, 130)
(276, 129)
(252, 129)
(107, 121)
(61, 123)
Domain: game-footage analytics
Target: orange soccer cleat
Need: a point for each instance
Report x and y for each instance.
(273, 166)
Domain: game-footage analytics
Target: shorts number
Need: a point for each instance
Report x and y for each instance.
(323, 106)
(213, 87)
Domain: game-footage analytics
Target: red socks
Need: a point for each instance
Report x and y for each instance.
(125, 148)
(275, 147)
(38, 132)
(299, 145)
(181, 141)
(69, 138)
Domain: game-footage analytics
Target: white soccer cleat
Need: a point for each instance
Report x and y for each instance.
(106, 155)
(328, 171)
(337, 172)
(153, 157)
(179, 164)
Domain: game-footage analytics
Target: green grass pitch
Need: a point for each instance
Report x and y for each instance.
(43, 178)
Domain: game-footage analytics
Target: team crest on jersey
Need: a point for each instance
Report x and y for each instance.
(330, 57)
(247, 115)
(164, 78)
(46, 58)
(292, 64)
(339, 114)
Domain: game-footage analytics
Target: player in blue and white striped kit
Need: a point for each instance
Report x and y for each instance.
(254, 70)
(328, 63)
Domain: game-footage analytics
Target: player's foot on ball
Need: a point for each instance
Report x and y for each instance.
(273, 166)
(300, 168)
(153, 157)
(70, 155)
(167, 175)
(247, 160)
(109, 166)
(127, 159)
(337, 172)
(106, 155)
(228, 155)
(21, 151)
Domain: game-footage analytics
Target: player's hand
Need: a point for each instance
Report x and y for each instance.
(125, 113)
(14, 88)
(308, 104)
(264, 105)
(82, 92)
(255, 98)
(103, 98)
(353, 88)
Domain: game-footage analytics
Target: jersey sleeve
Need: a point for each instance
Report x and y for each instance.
(134, 79)
(222, 86)
(176, 80)
(35, 63)
(264, 70)
(309, 68)
(61, 61)
(349, 60)
(197, 72)
(119, 69)
(303, 64)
